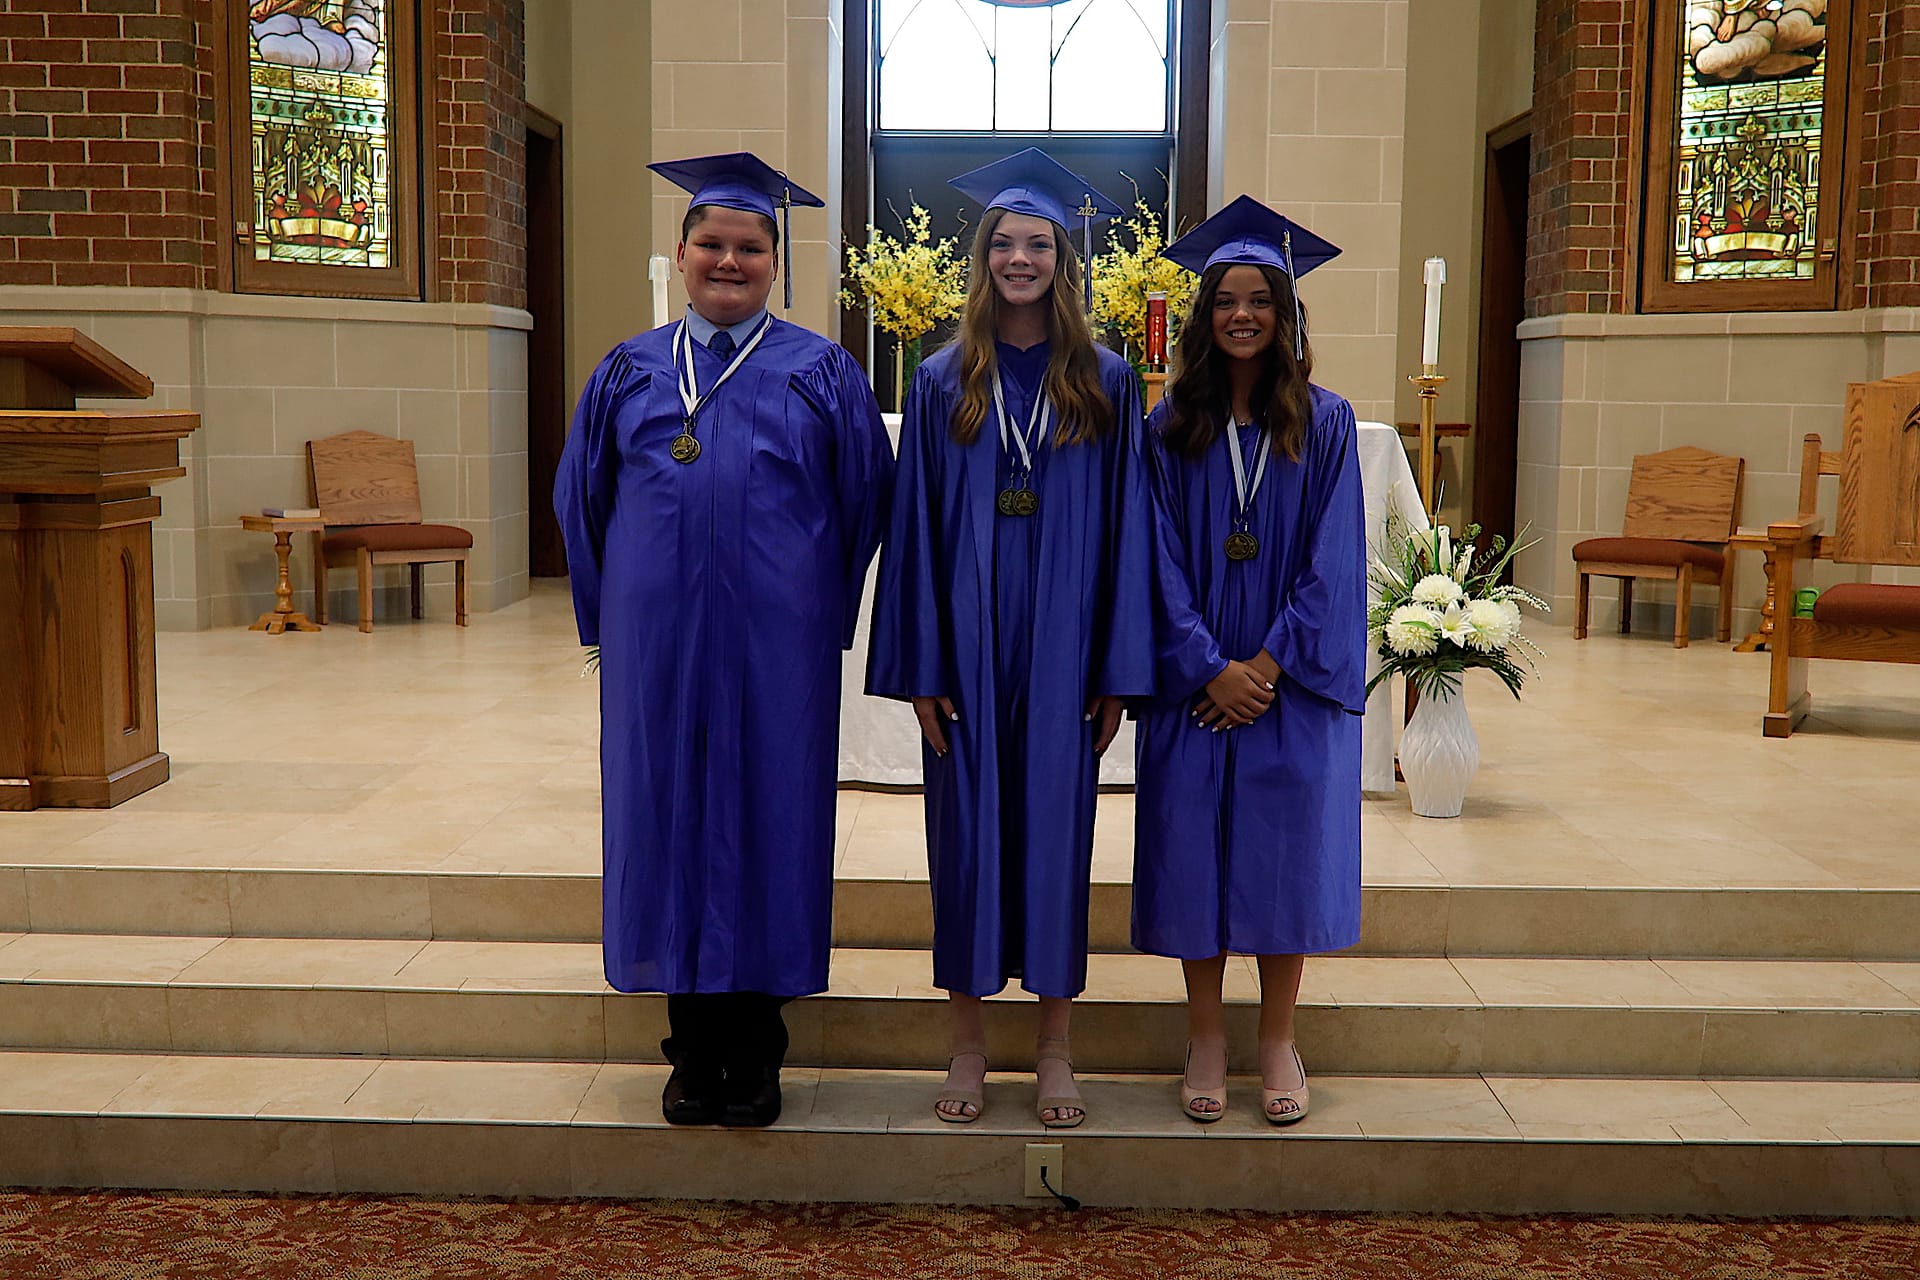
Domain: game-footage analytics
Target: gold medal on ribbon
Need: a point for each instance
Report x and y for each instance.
(1242, 545)
(1017, 502)
(685, 448)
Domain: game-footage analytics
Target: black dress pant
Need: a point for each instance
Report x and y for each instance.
(733, 1031)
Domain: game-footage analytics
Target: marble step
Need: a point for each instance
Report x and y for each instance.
(408, 998)
(1434, 1143)
(1430, 920)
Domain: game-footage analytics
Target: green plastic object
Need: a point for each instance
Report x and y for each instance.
(1803, 602)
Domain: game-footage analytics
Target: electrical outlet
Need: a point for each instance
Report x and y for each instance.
(1050, 1157)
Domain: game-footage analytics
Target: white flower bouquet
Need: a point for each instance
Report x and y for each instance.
(1443, 609)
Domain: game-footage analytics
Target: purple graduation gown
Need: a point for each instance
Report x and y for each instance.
(721, 593)
(1248, 840)
(1021, 621)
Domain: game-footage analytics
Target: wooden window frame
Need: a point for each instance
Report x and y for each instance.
(1658, 94)
(411, 59)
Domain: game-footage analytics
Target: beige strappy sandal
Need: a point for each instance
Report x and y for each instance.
(1056, 1048)
(975, 1098)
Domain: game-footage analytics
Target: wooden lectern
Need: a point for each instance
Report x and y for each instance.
(78, 716)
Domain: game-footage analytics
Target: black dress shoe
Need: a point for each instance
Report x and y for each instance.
(693, 1095)
(753, 1097)
(695, 1092)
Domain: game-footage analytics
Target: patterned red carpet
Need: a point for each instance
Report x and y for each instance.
(109, 1236)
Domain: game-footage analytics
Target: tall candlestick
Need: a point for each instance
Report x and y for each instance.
(657, 269)
(1436, 274)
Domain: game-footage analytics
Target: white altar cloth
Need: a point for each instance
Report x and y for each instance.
(880, 740)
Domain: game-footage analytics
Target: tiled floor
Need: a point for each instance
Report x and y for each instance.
(592, 1093)
(427, 747)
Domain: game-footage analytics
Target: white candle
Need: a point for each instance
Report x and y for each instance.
(1436, 274)
(657, 269)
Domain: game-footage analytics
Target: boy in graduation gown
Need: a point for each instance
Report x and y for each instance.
(1247, 806)
(722, 492)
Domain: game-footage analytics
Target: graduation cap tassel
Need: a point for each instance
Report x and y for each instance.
(1293, 283)
(1086, 250)
(786, 245)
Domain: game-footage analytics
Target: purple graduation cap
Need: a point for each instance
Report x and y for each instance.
(1034, 183)
(1248, 232)
(742, 180)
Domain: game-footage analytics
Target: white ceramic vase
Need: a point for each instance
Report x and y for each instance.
(1438, 754)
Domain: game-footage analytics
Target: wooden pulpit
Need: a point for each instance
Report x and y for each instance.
(78, 716)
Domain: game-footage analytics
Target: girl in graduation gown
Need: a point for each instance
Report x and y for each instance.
(1014, 610)
(718, 564)
(1248, 795)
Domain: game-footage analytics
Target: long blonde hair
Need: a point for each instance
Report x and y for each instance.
(1073, 369)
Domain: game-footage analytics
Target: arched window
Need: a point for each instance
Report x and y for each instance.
(1092, 66)
(1747, 110)
(324, 123)
(1114, 89)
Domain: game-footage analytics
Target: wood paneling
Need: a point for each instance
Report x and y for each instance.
(1879, 518)
(69, 359)
(1686, 494)
(363, 478)
(78, 713)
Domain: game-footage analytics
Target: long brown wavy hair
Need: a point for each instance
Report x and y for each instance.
(1073, 370)
(1201, 395)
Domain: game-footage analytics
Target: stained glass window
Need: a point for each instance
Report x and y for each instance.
(1014, 66)
(321, 85)
(1750, 114)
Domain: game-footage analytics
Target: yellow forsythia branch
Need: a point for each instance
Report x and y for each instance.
(910, 284)
(1127, 273)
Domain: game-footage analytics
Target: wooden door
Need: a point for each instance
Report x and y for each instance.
(1503, 269)
(547, 344)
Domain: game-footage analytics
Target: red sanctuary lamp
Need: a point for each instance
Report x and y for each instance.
(1155, 376)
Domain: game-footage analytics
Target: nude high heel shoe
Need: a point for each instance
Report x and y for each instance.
(1291, 1103)
(1190, 1097)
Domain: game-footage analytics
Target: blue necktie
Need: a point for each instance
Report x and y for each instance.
(721, 344)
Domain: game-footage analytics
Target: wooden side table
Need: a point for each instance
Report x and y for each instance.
(1755, 540)
(283, 616)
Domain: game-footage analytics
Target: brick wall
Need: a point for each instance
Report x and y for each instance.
(1577, 226)
(481, 213)
(1888, 244)
(106, 134)
(1582, 113)
(108, 154)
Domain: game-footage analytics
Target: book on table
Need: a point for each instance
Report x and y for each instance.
(291, 513)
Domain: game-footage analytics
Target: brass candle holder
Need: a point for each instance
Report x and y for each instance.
(1429, 381)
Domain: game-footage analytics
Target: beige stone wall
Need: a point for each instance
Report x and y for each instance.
(1310, 109)
(1504, 75)
(1471, 70)
(609, 191)
(1596, 390)
(589, 66)
(266, 374)
(760, 76)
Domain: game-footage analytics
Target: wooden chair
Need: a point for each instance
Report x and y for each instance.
(368, 492)
(1877, 522)
(1682, 506)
